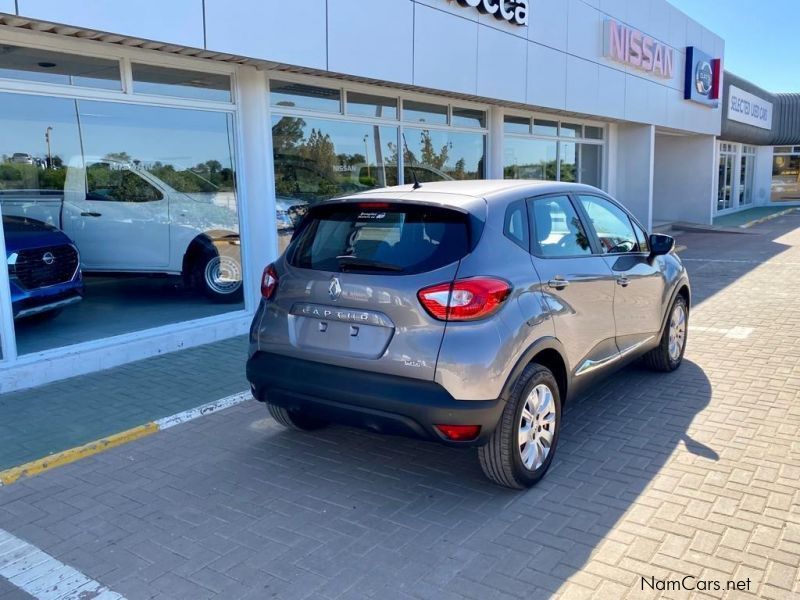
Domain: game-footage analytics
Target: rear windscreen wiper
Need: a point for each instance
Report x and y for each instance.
(353, 262)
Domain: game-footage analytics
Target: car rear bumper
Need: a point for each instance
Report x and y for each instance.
(383, 403)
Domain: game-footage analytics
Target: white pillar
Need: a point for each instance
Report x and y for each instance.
(634, 164)
(762, 178)
(494, 166)
(611, 160)
(8, 346)
(685, 178)
(256, 179)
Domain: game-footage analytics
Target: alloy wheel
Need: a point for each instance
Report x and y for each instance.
(677, 332)
(537, 426)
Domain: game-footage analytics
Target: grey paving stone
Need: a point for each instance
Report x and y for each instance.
(8, 591)
(37, 422)
(690, 472)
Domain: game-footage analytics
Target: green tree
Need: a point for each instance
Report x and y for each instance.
(119, 156)
(429, 154)
(287, 134)
(460, 171)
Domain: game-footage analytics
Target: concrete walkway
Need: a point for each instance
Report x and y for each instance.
(37, 422)
(745, 218)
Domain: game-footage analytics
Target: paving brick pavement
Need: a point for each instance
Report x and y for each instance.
(690, 473)
(39, 421)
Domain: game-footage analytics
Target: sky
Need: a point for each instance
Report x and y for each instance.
(760, 38)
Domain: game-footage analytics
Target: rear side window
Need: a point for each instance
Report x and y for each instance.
(557, 230)
(381, 238)
(515, 227)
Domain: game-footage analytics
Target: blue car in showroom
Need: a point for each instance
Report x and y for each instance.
(43, 267)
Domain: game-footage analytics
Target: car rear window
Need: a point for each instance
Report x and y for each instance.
(379, 237)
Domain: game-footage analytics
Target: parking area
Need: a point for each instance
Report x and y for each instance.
(690, 476)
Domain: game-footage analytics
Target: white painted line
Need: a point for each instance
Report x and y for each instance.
(736, 333)
(201, 411)
(45, 577)
(742, 261)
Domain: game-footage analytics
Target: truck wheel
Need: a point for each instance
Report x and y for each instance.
(295, 420)
(523, 444)
(668, 355)
(220, 277)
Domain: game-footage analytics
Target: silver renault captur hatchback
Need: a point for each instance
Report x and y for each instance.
(465, 312)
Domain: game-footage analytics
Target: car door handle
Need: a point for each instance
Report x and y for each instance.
(557, 283)
(623, 281)
(91, 214)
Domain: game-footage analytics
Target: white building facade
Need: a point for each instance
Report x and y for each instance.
(185, 140)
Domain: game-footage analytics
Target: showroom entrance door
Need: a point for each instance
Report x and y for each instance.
(735, 177)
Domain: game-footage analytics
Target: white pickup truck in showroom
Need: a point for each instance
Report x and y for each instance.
(126, 220)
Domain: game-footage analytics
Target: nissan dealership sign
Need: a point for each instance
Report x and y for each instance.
(513, 11)
(631, 47)
(748, 108)
(701, 77)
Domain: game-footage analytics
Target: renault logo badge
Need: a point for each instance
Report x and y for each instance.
(335, 288)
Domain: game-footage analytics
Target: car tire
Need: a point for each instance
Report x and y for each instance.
(294, 419)
(668, 355)
(504, 459)
(219, 277)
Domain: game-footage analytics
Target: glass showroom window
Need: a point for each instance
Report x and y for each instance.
(786, 174)
(316, 159)
(44, 66)
(180, 83)
(746, 175)
(118, 217)
(319, 156)
(727, 158)
(552, 150)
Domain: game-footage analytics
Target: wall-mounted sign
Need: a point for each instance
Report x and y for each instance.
(702, 77)
(631, 47)
(513, 11)
(748, 108)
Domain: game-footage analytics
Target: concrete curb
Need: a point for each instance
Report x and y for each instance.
(39, 466)
(695, 228)
(741, 229)
(769, 217)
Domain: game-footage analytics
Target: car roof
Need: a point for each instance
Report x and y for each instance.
(466, 195)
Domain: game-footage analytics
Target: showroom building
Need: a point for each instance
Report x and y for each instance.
(758, 152)
(175, 151)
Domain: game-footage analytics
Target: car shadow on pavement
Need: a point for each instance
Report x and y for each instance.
(424, 517)
(233, 505)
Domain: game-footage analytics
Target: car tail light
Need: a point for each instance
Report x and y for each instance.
(459, 433)
(269, 282)
(464, 299)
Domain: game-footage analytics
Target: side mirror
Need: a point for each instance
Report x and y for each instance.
(660, 244)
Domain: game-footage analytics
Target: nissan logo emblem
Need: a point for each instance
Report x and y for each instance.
(703, 78)
(48, 258)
